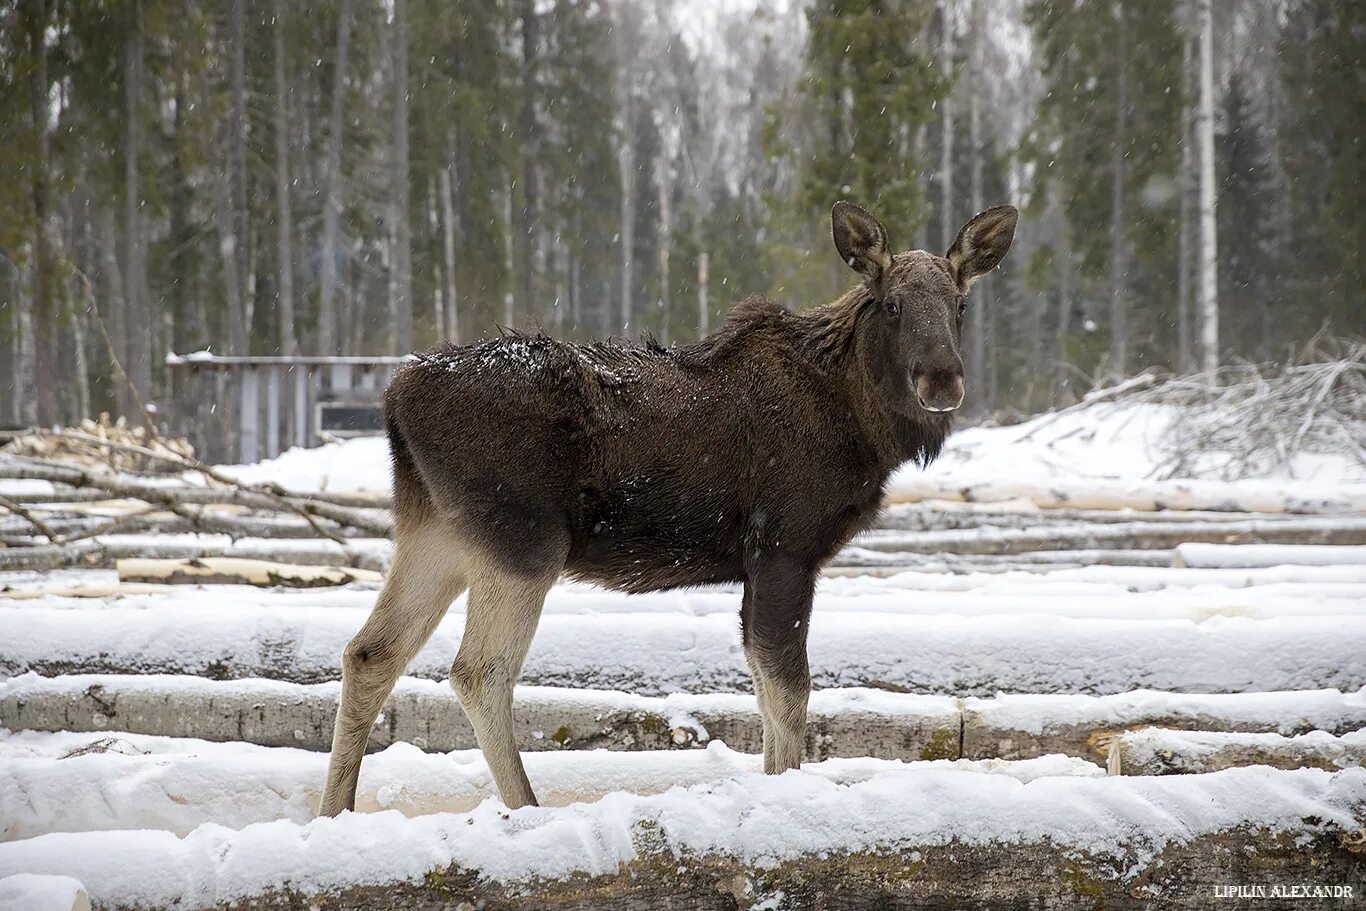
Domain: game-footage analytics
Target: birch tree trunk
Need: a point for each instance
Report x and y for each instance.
(188, 313)
(1184, 361)
(42, 312)
(327, 278)
(703, 290)
(289, 344)
(402, 286)
(628, 210)
(978, 309)
(1119, 267)
(665, 242)
(26, 360)
(1207, 302)
(137, 358)
(239, 317)
(527, 273)
(947, 226)
(448, 255)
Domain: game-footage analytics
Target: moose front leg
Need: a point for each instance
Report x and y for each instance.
(774, 619)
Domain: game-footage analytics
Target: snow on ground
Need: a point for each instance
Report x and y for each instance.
(1100, 592)
(660, 653)
(178, 785)
(357, 465)
(761, 820)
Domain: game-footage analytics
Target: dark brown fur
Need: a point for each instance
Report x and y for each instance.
(661, 467)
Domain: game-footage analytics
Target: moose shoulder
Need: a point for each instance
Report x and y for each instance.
(751, 456)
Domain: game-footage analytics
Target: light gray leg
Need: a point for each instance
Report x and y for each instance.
(786, 693)
(423, 580)
(503, 613)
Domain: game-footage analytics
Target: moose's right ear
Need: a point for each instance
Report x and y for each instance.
(861, 240)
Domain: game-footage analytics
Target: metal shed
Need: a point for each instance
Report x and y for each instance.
(246, 409)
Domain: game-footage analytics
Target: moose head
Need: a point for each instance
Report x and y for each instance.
(921, 300)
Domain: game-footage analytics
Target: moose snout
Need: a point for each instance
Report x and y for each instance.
(939, 388)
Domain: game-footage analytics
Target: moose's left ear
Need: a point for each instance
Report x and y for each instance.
(982, 244)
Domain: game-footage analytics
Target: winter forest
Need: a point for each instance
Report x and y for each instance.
(368, 178)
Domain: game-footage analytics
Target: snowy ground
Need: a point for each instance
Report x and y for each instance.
(1022, 658)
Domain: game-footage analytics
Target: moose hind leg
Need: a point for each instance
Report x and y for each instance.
(504, 610)
(423, 580)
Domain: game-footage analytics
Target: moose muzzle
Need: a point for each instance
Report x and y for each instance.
(941, 389)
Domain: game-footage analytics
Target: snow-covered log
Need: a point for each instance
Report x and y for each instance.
(132, 782)
(652, 654)
(105, 551)
(1223, 556)
(1162, 751)
(1016, 726)
(1147, 496)
(237, 571)
(32, 892)
(842, 722)
(1132, 536)
(910, 837)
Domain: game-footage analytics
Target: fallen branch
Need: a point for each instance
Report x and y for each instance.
(173, 496)
(27, 515)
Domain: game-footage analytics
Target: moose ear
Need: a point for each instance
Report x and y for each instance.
(982, 244)
(861, 240)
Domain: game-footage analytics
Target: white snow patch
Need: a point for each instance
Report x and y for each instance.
(757, 819)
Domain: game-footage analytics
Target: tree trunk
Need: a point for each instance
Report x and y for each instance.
(112, 306)
(43, 310)
(188, 315)
(947, 226)
(703, 289)
(1207, 302)
(289, 344)
(978, 310)
(1064, 320)
(528, 279)
(1119, 267)
(137, 355)
(665, 242)
(1184, 360)
(239, 316)
(26, 360)
(628, 211)
(402, 286)
(327, 278)
(448, 256)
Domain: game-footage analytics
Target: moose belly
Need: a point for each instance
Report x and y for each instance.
(646, 534)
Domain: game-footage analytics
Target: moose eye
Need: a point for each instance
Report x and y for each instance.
(962, 306)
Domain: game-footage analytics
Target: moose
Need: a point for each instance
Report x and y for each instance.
(749, 457)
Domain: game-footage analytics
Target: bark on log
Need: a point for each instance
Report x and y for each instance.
(1241, 557)
(881, 725)
(1146, 497)
(236, 571)
(1036, 875)
(1159, 751)
(363, 553)
(1130, 536)
(1024, 726)
(428, 715)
